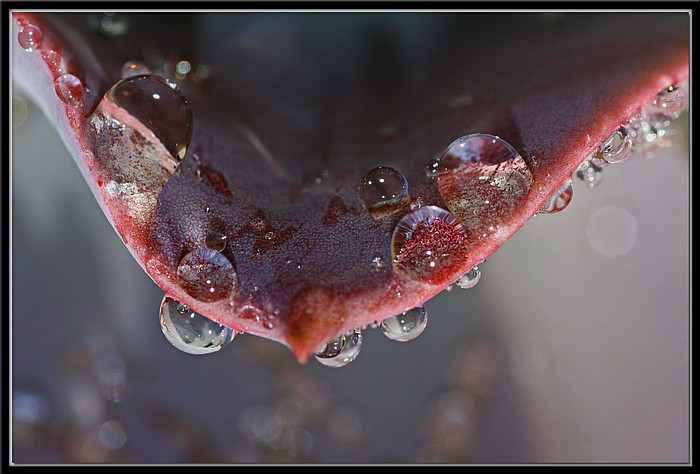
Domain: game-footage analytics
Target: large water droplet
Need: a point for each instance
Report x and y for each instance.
(159, 105)
(406, 326)
(617, 147)
(191, 332)
(483, 181)
(30, 37)
(69, 89)
(206, 274)
(427, 242)
(340, 351)
(670, 101)
(384, 191)
(469, 279)
(559, 199)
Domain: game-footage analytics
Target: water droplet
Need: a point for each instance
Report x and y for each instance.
(340, 351)
(469, 279)
(191, 332)
(589, 173)
(69, 89)
(377, 263)
(427, 242)
(431, 169)
(134, 68)
(617, 147)
(670, 101)
(650, 132)
(110, 24)
(216, 241)
(206, 274)
(483, 181)
(559, 198)
(417, 204)
(384, 191)
(160, 106)
(406, 326)
(30, 37)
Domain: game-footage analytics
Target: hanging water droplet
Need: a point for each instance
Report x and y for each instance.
(417, 204)
(383, 191)
(469, 279)
(159, 105)
(650, 132)
(406, 326)
(559, 199)
(206, 274)
(340, 351)
(191, 332)
(30, 37)
(589, 173)
(69, 89)
(483, 181)
(134, 68)
(617, 147)
(670, 101)
(427, 242)
(216, 241)
(431, 169)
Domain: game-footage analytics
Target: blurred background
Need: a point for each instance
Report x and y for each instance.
(573, 347)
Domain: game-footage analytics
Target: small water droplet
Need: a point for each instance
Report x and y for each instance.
(69, 89)
(191, 332)
(650, 132)
(670, 101)
(617, 147)
(431, 169)
(30, 37)
(160, 106)
(417, 204)
(110, 24)
(134, 68)
(206, 274)
(269, 235)
(216, 241)
(340, 351)
(427, 242)
(589, 173)
(483, 181)
(559, 199)
(406, 326)
(377, 263)
(469, 279)
(384, 191)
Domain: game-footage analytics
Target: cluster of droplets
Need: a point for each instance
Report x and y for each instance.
(644, 133)
(345, 348)
(69, 88)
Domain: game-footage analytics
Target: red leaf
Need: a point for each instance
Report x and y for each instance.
(301, 108)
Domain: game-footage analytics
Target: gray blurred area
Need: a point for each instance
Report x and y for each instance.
(573, 347)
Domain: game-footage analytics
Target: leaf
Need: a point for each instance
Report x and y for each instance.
(300, 106)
